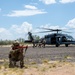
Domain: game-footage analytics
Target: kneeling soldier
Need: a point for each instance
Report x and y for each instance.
(16, 54)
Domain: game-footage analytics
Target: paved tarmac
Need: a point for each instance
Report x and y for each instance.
(40, 54)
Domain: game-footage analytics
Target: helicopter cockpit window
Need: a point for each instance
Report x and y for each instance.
(70, 38)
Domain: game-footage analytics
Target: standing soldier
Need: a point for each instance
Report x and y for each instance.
(33, 42)
(44, 42)
(39, 43)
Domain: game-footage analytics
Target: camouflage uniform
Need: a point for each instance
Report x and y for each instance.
(16, 54)
(44, 42)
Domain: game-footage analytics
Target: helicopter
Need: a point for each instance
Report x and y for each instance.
(56, 38)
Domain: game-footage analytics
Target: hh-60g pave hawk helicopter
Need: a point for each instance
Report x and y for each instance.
(56, 39)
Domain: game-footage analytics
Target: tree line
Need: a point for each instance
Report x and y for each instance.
(9, 42)
(21, 40)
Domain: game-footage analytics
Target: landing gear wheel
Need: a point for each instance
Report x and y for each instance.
(66, 45)
(57, 45)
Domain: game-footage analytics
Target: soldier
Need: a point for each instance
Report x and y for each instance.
(16, 54)
(44, 42)
(15, 45)
(39, 44)
(33, 43)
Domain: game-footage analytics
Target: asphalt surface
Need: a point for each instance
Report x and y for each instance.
(40, 54)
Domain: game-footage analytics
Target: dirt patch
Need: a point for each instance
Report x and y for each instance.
(46, 68)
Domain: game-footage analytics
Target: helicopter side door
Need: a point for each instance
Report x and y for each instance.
(48, 40)
(58, 41)
(53, 40)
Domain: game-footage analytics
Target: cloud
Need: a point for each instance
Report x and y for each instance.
(2, 30)
(48, 1)
(71, 23)
(49, 26)
(0, 9)
(5, 34)
(29, 11)
(15, 31)
(30, 7)
(66, 1)
(24, 28)
(71, 26)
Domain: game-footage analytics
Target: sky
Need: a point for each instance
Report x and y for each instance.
(17, 17)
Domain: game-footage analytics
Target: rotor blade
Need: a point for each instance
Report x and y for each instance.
(52, 29)
(45, 28)
(66, 32)
(56, 30)
(43, 31)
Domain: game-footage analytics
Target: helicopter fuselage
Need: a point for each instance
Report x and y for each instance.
(58, 39)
